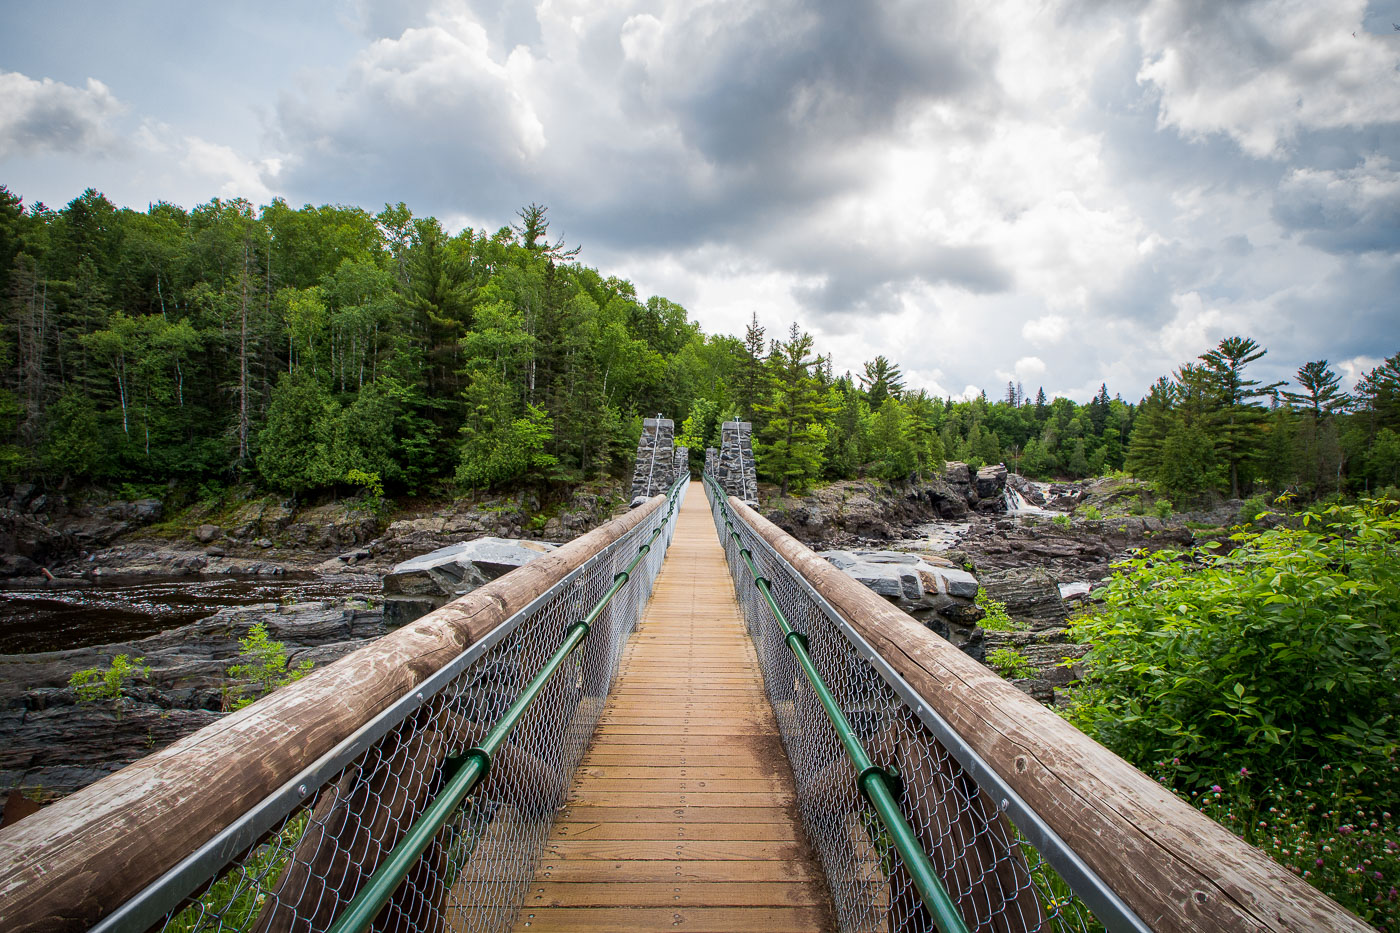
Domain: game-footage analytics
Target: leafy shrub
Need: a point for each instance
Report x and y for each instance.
(1252, 508)
(1163, 508)
(1008, 662)
(1062, 520)
(265, 671)
(1091, 512)
(1279, 656)
(371, 497)
(95, 683)
(995, 617)
(1332, 832)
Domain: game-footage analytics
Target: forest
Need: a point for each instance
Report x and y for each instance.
(310, 350)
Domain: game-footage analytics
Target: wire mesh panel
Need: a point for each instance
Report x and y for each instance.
(311, 858)
(995, 877)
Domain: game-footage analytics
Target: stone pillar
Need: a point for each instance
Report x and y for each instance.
(735, 470)
(711, 460)
(656, 459)
(682, 463)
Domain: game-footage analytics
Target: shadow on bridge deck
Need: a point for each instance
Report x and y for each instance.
(682, 813)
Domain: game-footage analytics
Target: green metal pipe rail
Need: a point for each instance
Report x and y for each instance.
(880, 786)
(467, 770)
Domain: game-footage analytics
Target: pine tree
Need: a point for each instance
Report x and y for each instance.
(1237, 424)
(794, 437)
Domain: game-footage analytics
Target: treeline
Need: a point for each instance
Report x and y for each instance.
(315, 348)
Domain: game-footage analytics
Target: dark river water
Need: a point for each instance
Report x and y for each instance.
(51, 618)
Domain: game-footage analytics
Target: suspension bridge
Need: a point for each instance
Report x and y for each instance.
(681, 720)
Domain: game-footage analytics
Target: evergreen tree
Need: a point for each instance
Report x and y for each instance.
(794, 435)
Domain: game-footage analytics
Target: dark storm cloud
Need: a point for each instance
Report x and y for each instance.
(762, 116)
(789, 79)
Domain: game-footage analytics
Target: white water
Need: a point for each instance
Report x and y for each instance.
(1016, 504)
(935, 536)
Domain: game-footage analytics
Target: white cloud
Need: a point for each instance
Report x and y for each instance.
(1263, 72)
(1049, 328)
(50, 116)
(234, 175)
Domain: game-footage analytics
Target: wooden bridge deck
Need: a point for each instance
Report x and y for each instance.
(682, 813)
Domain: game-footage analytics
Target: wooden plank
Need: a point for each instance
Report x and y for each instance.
(710, 919)
(780, 830)
(705, 850)
(682, 813)
(1171, 864)
(619, 871)
(580, 812)
(668, 894)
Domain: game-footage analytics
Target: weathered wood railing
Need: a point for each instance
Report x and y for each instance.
(1131, 850)
(351, 731)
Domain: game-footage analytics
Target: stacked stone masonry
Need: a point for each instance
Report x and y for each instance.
(711, 460)
(735, 470)
(656, 458)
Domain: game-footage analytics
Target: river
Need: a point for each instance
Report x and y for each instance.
(78, 614)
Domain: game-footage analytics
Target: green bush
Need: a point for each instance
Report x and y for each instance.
(1091, 513)
(1252, 508)
(265, 671)
(1062, 520)
(95, 683)
(1008, 662)
(1279, 656)
(1163, 508)
(995, 617)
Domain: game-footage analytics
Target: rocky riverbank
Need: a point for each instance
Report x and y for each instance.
(1035, 549)
(243, 534)
(52, 743)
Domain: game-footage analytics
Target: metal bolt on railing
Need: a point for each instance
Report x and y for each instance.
(878, 785)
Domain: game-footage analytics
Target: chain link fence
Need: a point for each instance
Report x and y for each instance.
(977, 842)
(298, 860)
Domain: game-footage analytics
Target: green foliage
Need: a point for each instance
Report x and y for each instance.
(230, 343)
(265, 670)
(511, 453)
(95, 683)
(1162, 508)
(1063, 521)
(1252, 508)
(372, 490)
(237, 897)
(1333, 830)
(1091, 513)
(994, 615)
(1278, 656)
(1008, 662)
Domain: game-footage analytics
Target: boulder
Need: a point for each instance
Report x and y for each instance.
(991, 481)
(938, 595)
(417, 586)
(207, 533)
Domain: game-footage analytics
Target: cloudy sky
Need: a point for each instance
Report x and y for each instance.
(1060, 192)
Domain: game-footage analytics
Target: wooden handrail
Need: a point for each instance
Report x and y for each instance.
(74, 862)
(1176, 868)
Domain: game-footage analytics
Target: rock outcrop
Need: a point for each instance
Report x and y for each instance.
(420, 585)
(52, 743)
(930, 589)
